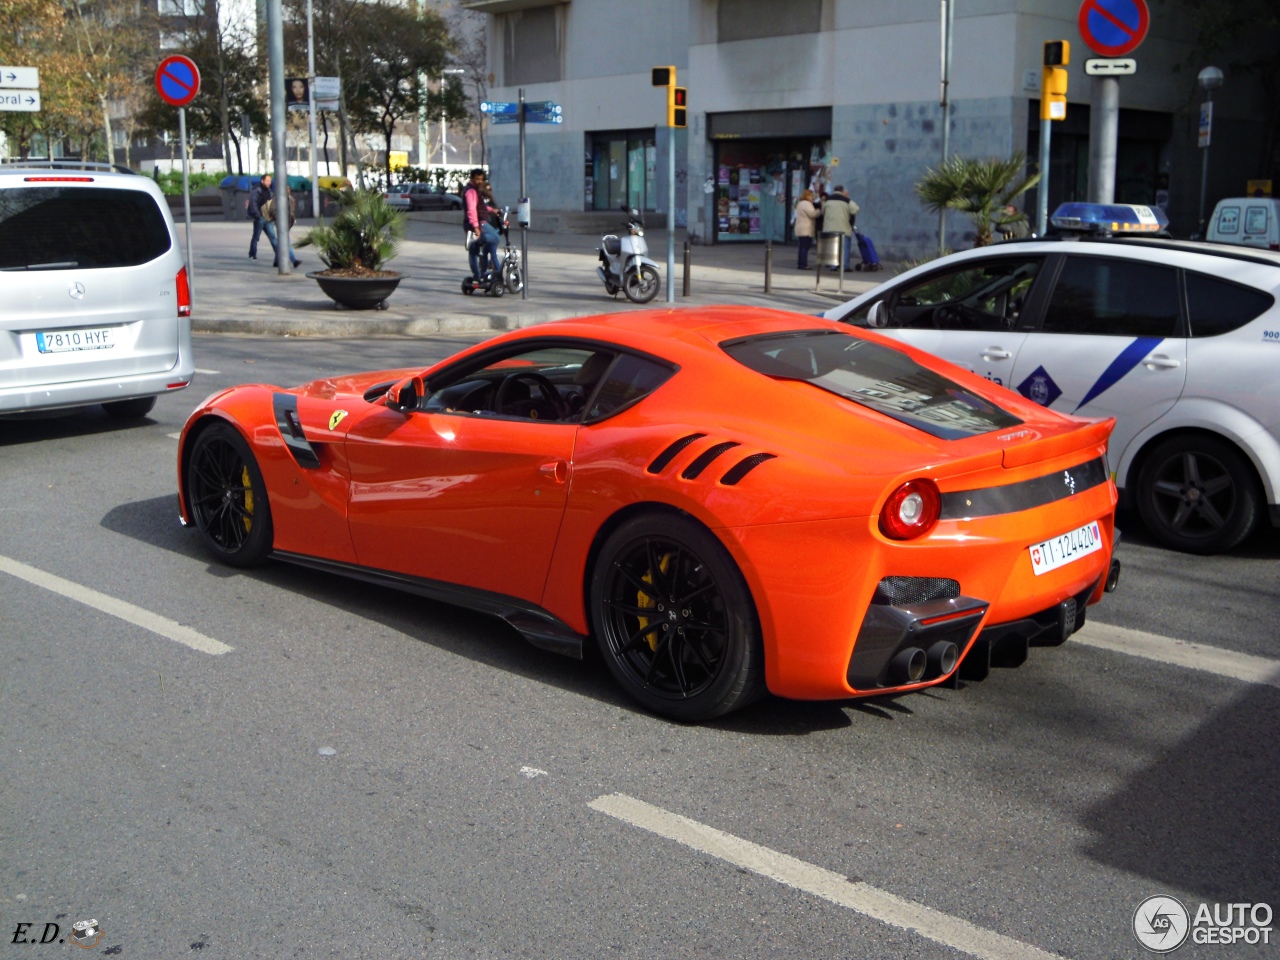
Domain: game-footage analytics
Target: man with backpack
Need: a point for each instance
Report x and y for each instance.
(482, 243)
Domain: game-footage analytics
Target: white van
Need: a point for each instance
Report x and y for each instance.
(1252, 221)
(95, 306)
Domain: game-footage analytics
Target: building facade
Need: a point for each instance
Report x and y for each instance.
(786, 93)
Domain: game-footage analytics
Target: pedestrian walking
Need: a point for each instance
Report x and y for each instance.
(260, 194)
(838, 215)
(269, 215)
(806, 227)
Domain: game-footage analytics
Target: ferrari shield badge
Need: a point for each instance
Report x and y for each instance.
(336, 418)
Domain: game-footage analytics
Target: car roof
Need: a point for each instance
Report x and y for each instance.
(13, 175)
(1231, 251)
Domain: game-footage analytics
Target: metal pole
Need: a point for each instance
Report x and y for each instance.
(1042, 188)
(1104, 129)
(948, 28)
(1204, 169)
(186, 195)
(671, 214)
(275, 75)
(768, 266)
(524, 230)
(687, 264)
(311, 97)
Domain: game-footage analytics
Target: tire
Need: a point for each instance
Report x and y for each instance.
(513, 277)
(129, 409)
(641, 285)
(497, 288)
(692, 661)
(228, 498)
(1198, 494)
(467, 288)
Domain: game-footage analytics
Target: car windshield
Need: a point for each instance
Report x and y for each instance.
(875, 376)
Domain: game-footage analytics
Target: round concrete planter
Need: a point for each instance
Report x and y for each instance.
(358, 293)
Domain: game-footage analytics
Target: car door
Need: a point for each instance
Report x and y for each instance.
(1111, 343)
(970, 313)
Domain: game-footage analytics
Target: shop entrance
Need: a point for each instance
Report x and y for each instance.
(621, 167)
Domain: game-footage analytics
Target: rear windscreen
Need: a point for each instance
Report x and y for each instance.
(879, 377)
(63, 228)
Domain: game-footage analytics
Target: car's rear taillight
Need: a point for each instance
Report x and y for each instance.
(911, 511)
(184, 293)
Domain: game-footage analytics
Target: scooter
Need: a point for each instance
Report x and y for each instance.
(625, 263)
(512, 272)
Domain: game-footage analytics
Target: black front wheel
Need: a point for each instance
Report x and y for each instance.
(228, 498)
(641, 285)
(674, 619)
(1198, 494)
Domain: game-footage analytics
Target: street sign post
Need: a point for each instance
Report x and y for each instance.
(543, 111)
(20, 101)
(24, 78)
(327, 90)
(178, 82)
(1111, 68)
(1112, 29)
(1205, 132)
(497, 108)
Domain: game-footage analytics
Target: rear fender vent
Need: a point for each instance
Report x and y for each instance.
(705, 459)
(666, 456)
(908, 591)
(745, 466)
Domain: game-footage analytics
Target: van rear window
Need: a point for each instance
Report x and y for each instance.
(64, 228)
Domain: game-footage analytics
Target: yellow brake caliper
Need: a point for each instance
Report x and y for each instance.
(644, 601)
(248, 499)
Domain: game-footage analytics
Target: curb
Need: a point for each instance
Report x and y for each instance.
(369, 323)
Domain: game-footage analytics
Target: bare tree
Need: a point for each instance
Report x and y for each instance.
(112, 38)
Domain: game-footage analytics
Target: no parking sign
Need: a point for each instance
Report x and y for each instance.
(1113, 28)
(177, 80)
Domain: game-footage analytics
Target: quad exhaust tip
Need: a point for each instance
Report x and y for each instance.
(908, 665)
(1113, 577)
(942, 658)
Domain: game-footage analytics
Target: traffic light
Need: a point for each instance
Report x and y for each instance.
(1053, 80)
(664, 76)
(677, 107)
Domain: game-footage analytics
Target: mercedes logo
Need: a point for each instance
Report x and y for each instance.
(76, 290)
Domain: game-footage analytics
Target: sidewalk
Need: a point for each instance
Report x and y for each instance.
(233, 294)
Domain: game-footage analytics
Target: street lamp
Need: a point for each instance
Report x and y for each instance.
(1209, 79)
(444, 133)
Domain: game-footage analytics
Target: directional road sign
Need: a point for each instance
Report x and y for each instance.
(543, 111)
(26, 78)
(497, 108)
(504, 118)
(24, 101)
(1113, 28)
(1111, 68)
(177, 80)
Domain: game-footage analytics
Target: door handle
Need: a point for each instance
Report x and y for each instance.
(1160, 362)
(556, 470)
(995, 353)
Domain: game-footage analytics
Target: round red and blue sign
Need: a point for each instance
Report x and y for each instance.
(1113, 28)
(177, 80)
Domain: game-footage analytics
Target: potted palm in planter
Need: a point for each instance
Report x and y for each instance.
(354, 247)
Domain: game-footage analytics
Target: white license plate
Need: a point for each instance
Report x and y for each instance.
(1066, 548)
(87, 338)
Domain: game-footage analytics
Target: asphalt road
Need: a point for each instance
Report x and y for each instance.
(367, 774)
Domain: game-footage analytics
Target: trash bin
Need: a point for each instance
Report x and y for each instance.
(235, 196)
(328, 205)
(830, 249)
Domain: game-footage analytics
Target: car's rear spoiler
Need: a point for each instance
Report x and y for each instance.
(1088, 435)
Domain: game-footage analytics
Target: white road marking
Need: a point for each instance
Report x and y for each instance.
(854, 894)
(208, 373)
(163, 626)
(1180, 653)
(174, 436)
(532, 772)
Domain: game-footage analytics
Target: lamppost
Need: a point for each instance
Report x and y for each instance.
(444, 132)
(1209, 79)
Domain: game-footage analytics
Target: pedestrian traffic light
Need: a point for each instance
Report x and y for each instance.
(677, 107)
(1053, 80)
(664, 76)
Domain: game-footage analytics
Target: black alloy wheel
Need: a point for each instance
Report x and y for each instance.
(227, 497)
(675, 621)
(1197, 493)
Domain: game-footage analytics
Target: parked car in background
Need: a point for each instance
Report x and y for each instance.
(425, 196)
(1178, 340)
(95, 305)
(1252, 221)
(398, 196)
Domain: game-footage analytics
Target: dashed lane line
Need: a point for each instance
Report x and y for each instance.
(853, 894)
(1180, 653)
(162, 626)
(208, 373)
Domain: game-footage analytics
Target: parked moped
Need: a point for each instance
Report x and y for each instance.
(625, 263)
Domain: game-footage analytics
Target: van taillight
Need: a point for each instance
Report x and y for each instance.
(184, 293)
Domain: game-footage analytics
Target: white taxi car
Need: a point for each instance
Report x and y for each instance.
(1178, 340)
(95, 306)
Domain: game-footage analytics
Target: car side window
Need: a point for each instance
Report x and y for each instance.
(1229, 220)
(1255, 221)
(984, 295)
(549, 384)
(1116, 298)
(1219, 306)
(630, 379)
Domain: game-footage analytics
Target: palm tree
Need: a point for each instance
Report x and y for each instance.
(981, 188)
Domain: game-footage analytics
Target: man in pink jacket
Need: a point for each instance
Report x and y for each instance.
(484, 238)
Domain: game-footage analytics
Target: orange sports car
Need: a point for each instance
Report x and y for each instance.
(729, 500)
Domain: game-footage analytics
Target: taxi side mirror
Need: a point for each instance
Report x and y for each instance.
(404, 396)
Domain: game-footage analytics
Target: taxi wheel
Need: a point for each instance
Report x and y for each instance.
(228, 498)
(1198, 494)
(674, 619)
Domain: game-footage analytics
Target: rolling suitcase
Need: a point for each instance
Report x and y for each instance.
(866, 250)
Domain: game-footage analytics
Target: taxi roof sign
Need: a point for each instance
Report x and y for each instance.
(1110, 218)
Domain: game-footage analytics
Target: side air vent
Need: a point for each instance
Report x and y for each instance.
(907, 591)
(705, 459)
(745, 466)
(669, 454)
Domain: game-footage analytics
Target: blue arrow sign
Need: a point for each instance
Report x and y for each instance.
(503, 118)
(497, 108)
(542, 106)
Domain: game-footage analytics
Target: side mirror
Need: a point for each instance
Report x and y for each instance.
(404, 396)
(878, 315)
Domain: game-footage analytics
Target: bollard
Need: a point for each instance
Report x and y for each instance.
(768, 266)
(687, 260)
